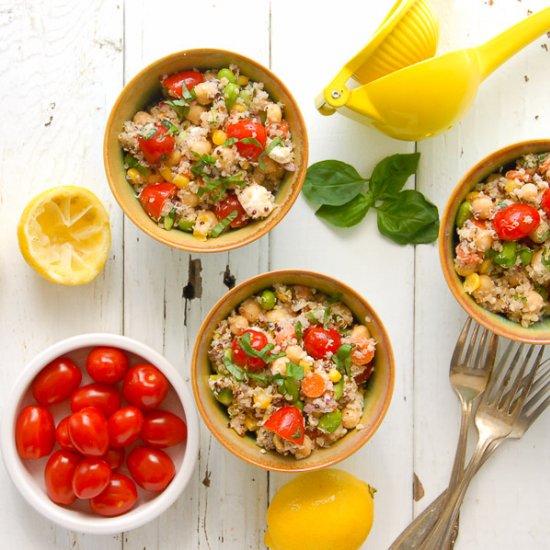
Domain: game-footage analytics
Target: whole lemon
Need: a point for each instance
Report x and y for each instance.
(322, 510)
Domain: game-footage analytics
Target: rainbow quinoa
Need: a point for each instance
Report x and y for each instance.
(210, 156)
(291, 365)
(503, 248)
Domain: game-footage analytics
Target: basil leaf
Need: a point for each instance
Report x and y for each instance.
(148, 131)
(342, 358)
(297, 435)
(202, 162)
(222, 224)
(298, 330)
(326, 316)
(259, 377)
(294, 371)
(291, 388)
(251, 141)
(229, 142)
(132, 162)
(390, 175)
(237, 372)
(348, 214)
(263, 354)
(172, 128)
(186, 94)
(180, 106)
(408, 218)
(332, 182)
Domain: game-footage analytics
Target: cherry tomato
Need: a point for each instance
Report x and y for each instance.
(516, 221)
(545, 202)
(163, 429)
(58, 476)
(173, 83)
(114, 457)
(107, 365)
(288, 423)
(228, 205)
(157, 146)
(34, 432)
(119, 497)
(91, 477)
(152, 469)
(248, 129)
(258, 341)
(154, 196)
(56, 381)
(364, 375)
(101, 396)
(319, 341)
(125, 426)
(88, 432)
(62, 435)
(145, 387)
(277, 129)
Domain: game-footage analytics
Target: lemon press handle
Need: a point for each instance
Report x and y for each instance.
(496, 51)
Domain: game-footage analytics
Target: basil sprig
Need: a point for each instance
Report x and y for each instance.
(344, 197)
(263, 354)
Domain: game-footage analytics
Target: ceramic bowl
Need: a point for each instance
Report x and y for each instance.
(538, 333)
(143, 89)
(379, 388)
(28, 475)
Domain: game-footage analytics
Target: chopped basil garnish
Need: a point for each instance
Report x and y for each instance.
(297, 435)
(186, 94)
(202, 162)
(298, 330)
(275, 142)
(218, 229)
(180, 106)
(294, 371)
(229, 142)
(263, 354)
(251, 141)
(237, 372)
(132, 162)
(342, 358)
(148, 131)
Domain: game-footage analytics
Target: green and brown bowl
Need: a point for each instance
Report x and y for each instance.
(377, 397)
(538, 333)
(144, 89)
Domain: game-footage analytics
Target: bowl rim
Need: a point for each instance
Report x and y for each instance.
(268, 223)
(98, 525)
(366, 434)
(495, 322)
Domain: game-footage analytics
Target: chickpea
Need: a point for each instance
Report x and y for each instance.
(250, 309)
(227, 157)
(274, 113)
(360, 333)
(341, 314)
(203, 92)
(272, 168)
(279, 444)
(540, 234)
(174, 158)
(200, 146)
(194, 114)
(483, 240)
(351, 415)
(277, 315)
(514, 278)
(295, 353)
(142, 118)
(238, 323)
(486, 287)
(465, 269)
(303, 292)
(305, 449)
(482, 207)
(528, 192)
(279, 366)
(188, 198)
(534, 302)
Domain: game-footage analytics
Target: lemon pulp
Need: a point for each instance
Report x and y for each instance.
(64, 234)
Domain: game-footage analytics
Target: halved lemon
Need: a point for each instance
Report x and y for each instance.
(64, 234)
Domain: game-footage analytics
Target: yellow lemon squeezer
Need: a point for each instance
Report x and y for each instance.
(407, 93)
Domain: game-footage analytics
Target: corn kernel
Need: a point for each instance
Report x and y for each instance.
(154, 178)
(173, 158)
(166, 173)
(180, 180)
(262, 400)
(242, 80)
(251, 424)
(486, 267)
(239, 107)
(334, 375)
(471, 196)
(510, 185)
(305, 365)
(219, 137)
(471, 283)
(205, 221)
(245, 165)
(134, 176)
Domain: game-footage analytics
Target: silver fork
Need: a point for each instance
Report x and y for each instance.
(495, 419)
(537, 402)
(471, 365)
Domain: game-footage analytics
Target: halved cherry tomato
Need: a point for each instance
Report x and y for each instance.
(545, 202)
(246, 129)
(364, 375)
(56, 381)
(152, 469)
(154, 196)
(145, 387)
(101, 396)
(114, 457)
(319, 341)
(258, 341)
(313, 385)
(118, 497)
(158, 145)
(174, 82)
(516, 221)
(107, 365)
(88, 432)
(91, 477)
(34, 432)
(277, 129)
(58, 476)
(125, 426)
(163, 429)
(228, 205)
(288, 423)
(62, 435)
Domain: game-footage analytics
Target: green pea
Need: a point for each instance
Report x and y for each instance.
(292, 389)
(168, 223)
(186, 225)
(508, 255)
(329, 422)
(225, 397)
(246, 96)
(464, 213)
(525, 255)
(339, 389)
(227, 74)
(230, 94)
(267, 300)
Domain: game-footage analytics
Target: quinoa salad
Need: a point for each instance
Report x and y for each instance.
(210, 156)
(291, 365)
(503, 248)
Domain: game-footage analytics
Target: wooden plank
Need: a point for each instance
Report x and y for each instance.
(508, 108)
(60, 69)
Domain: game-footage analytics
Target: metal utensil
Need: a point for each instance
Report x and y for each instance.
(495, 419)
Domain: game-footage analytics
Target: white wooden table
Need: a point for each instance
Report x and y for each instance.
(62, 64)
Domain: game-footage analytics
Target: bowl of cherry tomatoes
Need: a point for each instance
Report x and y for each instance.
(100, 433)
